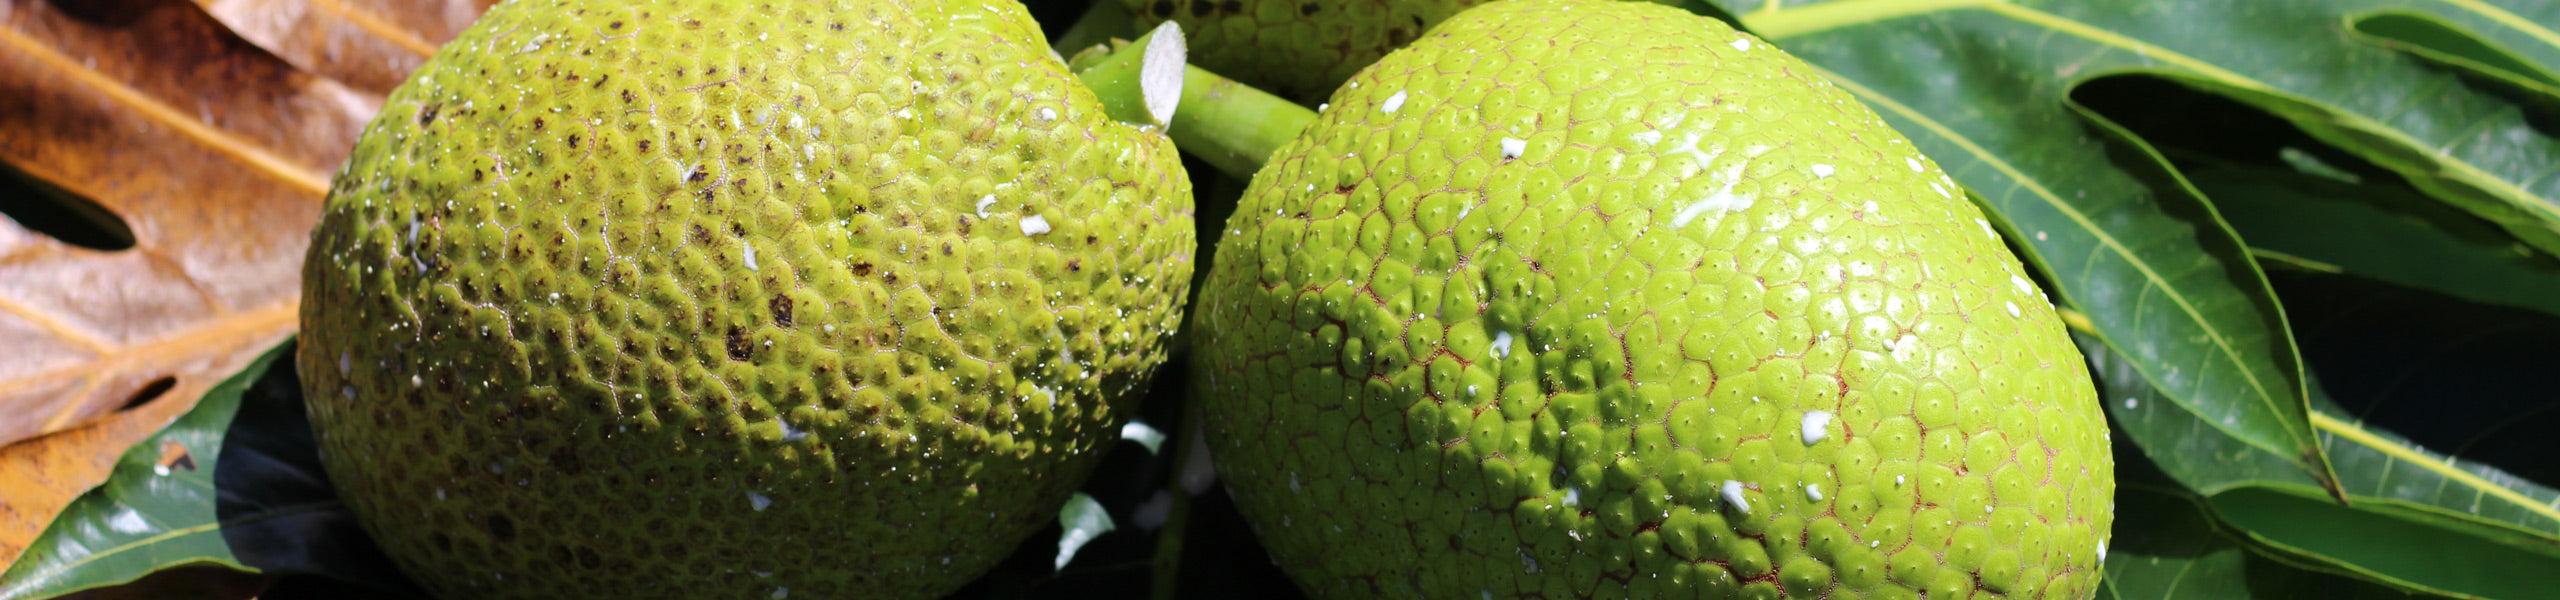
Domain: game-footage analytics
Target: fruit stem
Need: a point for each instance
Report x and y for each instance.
(1231, 125)
(1141, 83)
(1234, 126)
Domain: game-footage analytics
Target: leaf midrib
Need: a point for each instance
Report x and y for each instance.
(161, 113)
(1790, 22)
(2402, 454)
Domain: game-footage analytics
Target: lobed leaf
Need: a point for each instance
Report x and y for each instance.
(213, 153)
(370, 45)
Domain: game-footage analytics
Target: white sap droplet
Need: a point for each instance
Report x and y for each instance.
(830, 329)
(2013, 309)
(1034, 225)
(2102, 552)
(1814, 423)
(1513, 147)
(984, 202)
(1048, 114)
(750, 254)
(1293, 482)
(1502, 344)
(1821, 170)
(1486, 594)
(1733, 495)
(1573, 496)
(2129, 403)
(1722, 200)
(1914, 163)
(790, 434)
(439, 494)
(343, 363)
(1743, 44)
(160, 470)
(780, 592)
(1647, 137)
(1813, 491)
(1393, 102)
(128, 521)
(759, 501)
(2023, 286)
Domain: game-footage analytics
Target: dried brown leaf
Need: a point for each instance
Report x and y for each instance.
(370, 45)
(214, 153)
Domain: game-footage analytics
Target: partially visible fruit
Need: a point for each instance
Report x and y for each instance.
(1588, 299)
(733, 298)
(1300, 49)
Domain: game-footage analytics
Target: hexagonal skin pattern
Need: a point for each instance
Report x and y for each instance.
(1587, 300)
(734, 299)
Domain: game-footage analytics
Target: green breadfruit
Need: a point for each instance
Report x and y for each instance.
(1580, 299)
(734, 298)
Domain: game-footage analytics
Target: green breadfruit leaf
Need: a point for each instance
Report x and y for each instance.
(2378, 230)
(2302, 204)
(2451, 374)
(1985, 88)
(2475, 147)
(2167, 546)
(234, 483)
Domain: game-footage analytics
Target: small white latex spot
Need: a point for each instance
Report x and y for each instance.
(1914, 163)
(2013, 310)
(1034, 225)
(1502, 344)
(1821, 170)
(1048, 114)
(1733, 495)
(984, 202)
(1722, 200)
(1647, 137)
(1815, 422)
(759, 501)
(1897, 480)
(780, 592)
(1743, 44)
(750, 254)
(1813, 491)
(2102, 552)
(2129, 403)
(1513, 147)
(1393, 102)
(1573, 496)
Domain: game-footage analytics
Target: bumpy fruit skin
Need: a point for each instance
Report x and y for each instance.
(734, 299)
(1585, 300)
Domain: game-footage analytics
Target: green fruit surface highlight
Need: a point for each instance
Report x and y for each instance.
(734, 299)
(1577, 299)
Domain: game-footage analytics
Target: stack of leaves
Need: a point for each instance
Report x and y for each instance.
(2311, 247)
